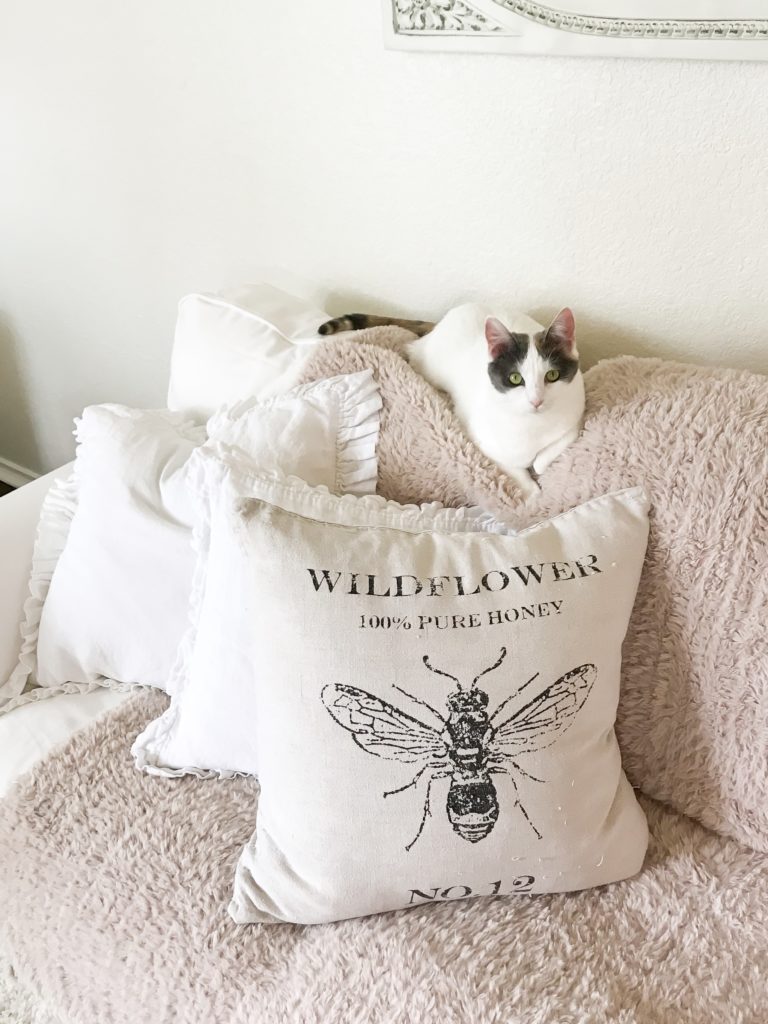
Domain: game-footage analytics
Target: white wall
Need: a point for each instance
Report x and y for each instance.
(150, 149)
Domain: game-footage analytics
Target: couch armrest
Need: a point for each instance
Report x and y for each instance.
(19, 513)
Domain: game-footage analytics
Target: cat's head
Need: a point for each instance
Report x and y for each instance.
(532, 368)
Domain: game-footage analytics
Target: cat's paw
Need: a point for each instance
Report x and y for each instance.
(547, 455)
(526, 484)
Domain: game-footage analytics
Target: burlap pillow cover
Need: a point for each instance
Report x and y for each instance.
(431, 703)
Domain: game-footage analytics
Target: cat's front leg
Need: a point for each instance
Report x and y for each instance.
(548, 455)
(523, 479)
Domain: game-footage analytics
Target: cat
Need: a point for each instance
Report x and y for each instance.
(516, 386)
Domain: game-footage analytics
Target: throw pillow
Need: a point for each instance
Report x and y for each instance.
(248, 341)
(115, 604)
(429, 702)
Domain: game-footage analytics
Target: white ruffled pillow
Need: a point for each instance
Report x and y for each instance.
(113, 563)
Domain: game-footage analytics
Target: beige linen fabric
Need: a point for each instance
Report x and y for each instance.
(432, 706)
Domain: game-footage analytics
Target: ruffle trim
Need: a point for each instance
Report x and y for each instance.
(56, 514)
(215, 461)
(38, 693)
(356, 405)
(148, 746)
(295, 496)
(359, 421)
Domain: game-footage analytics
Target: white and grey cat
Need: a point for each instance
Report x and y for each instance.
(516, 386)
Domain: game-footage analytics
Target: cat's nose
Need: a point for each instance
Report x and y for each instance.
(536, 402)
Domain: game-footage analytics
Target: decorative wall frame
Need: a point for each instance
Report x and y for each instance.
(700, 29)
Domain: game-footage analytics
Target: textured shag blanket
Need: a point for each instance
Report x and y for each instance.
(693, 715)
(114, 885)
(114, 888)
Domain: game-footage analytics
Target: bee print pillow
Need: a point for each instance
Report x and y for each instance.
(433, 699)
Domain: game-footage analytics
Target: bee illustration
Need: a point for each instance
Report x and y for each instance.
(468, 747)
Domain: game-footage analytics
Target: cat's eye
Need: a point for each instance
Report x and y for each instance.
(551, 376)
(515, 379)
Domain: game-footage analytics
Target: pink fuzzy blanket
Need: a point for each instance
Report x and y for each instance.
(114, 885)
(693, 715)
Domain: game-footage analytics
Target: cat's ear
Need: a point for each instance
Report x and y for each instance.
(562, 331)
(497, 336)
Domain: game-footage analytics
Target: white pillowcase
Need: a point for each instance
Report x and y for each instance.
(251, 341)
(117, 604)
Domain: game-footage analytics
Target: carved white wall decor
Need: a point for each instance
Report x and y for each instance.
(703, 29)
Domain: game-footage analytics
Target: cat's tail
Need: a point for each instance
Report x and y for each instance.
(359, 321)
